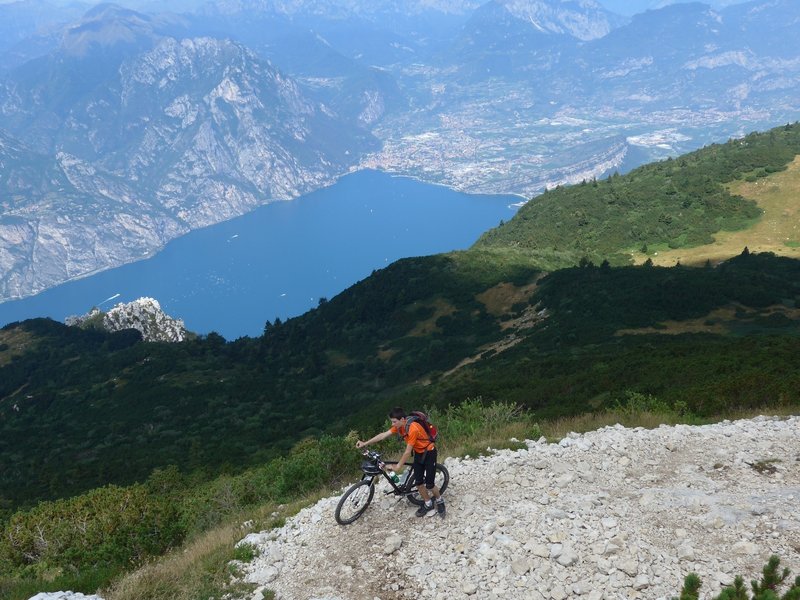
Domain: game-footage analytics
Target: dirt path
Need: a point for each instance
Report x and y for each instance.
(616, 513)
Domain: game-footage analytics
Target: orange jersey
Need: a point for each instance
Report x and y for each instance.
(416, 437)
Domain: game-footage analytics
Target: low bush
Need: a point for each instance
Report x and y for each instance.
(111, 529)
(766, 589)
(635, 404)
(471, 426)
(107, 526)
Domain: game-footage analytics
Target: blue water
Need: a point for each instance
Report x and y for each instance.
(278, 260)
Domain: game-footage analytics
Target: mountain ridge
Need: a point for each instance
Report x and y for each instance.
(675, 203)
(224, 133)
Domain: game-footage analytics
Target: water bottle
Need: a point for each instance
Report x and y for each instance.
(394, 476)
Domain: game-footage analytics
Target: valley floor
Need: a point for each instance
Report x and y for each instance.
(615, 513)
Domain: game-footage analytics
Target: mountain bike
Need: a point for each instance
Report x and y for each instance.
(358, 496)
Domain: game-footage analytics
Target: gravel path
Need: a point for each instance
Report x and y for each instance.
(615, 513)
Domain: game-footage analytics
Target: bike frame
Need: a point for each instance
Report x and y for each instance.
(399, 488)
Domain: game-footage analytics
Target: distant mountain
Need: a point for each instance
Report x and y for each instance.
(691, 55)
(353, 88)
(581, 19)
(676, 48)
(507, 36)
(383, 32)
(193, 131)
(771, 27)
(61, 218)
(179, 121)
(632, 7)
(342, 9)
(513, 107)
(38, 19)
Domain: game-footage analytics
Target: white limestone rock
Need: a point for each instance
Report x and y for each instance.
(594, 539)
(144, 315)
(63, 596)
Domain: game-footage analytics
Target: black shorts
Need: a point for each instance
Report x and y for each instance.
(425, 468)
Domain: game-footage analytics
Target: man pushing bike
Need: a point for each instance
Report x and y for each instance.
(419, 441)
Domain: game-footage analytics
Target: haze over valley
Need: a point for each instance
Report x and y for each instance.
(121, 130)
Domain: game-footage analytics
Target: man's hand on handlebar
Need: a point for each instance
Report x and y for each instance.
(360, 444)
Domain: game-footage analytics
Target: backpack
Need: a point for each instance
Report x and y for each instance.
(417, 416)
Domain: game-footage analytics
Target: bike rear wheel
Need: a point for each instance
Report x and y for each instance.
(441, 480)
(354, 502)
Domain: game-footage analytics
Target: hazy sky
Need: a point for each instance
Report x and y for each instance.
(620, 6)
(630, 7)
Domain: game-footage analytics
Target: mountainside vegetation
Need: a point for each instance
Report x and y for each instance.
(546, 314)
(84, 408)
(676, 203)
(79, 409)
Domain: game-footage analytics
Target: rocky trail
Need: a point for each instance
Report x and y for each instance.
(611, 514)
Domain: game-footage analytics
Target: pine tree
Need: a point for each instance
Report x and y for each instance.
(767, 589)
(691, 587)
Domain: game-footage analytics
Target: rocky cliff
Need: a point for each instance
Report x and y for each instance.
(144, 315)
(145, 137)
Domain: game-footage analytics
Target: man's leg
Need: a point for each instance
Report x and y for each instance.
(430, 478)
(421, 479)
(423, 491)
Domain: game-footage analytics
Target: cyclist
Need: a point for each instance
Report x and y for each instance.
(424, 465)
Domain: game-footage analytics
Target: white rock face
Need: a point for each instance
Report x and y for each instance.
(63, 596)
(638, 512)
(144, 315)
(583, 19)
(192, 132)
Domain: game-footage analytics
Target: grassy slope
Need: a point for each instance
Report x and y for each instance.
(778, 230)
(212, 407)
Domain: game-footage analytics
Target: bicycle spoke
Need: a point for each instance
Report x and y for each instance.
(354, 502)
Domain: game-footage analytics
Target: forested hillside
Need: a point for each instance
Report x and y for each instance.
(675, 203)
(83, 408)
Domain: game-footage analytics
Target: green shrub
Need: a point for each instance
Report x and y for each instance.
(311, 464)
(634, 403)
(105, 527)
(245, 552)
(474, 419)
(112, 528)
(766, 589)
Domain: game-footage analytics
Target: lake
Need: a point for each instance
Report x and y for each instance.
(280, 259)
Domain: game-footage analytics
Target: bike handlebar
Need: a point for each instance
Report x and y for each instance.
(376, 457)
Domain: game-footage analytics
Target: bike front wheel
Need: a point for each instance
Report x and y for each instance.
(354, 502)
(440, 481)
